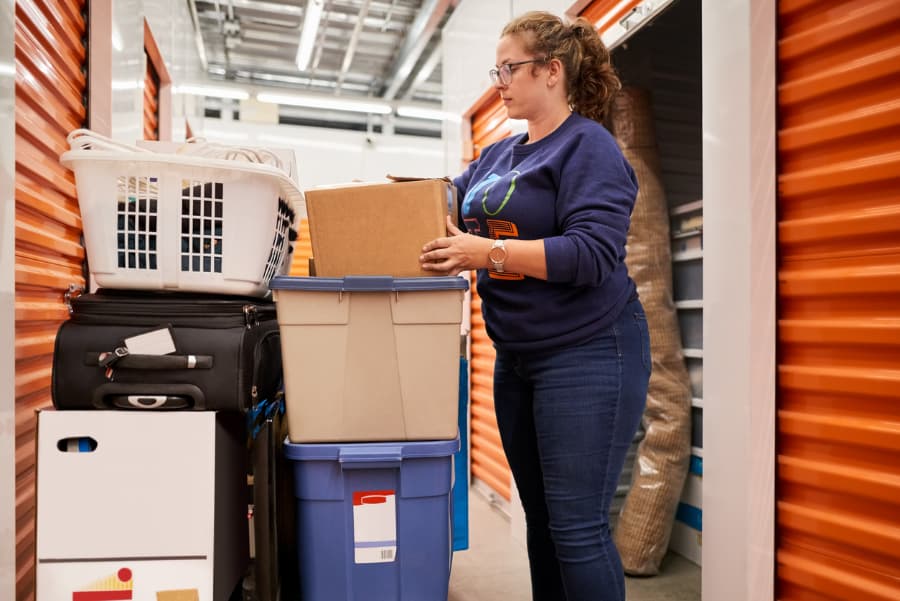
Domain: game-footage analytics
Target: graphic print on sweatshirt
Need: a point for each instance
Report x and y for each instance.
(483, 190)
(490, 196)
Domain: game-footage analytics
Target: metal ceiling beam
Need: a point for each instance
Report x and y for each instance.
(269, 7)
(425, 72)
(198, 36)
(354, 40)
(417, 38)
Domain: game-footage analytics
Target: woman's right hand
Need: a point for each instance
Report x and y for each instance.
(454, 253)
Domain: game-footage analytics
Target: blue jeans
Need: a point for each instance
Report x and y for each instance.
(567, 418)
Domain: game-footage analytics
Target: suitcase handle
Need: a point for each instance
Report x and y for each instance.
(369, 458)
(105, 394)
(151, 362)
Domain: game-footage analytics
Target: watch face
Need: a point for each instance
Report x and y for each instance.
(497, 254)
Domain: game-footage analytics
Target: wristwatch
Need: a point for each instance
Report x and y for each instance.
(497, 255)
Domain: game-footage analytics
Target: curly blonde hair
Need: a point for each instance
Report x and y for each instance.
(591, 81)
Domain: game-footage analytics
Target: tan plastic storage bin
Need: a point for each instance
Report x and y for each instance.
(370, 358)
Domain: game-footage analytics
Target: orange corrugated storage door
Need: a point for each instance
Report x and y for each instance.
(607, 12)
(302, 250)
(50, 86)
(838, 481)
(151, 100)
(489, 124)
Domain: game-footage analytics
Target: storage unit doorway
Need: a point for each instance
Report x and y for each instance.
(660, 53)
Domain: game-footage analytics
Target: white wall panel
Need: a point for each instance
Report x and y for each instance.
(127, 77)
(739, 298)
(469, 44)
(558, 7)
(170, 22)
(469, 40)
(7, 304)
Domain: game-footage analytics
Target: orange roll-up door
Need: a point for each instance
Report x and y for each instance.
(838, 421)
(302, 250)
(603, 13)
(489, 124)
(157, 93)
(151, 100)
(50, 85)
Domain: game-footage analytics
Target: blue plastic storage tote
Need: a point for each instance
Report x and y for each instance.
(373, 520)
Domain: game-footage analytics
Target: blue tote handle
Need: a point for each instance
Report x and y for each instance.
(370, 458)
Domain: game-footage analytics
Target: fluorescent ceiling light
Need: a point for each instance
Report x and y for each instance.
(213, 91)
(325, 102)
(311, 18)
(417, 112)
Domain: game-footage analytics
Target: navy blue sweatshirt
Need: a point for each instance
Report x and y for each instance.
(575, 190)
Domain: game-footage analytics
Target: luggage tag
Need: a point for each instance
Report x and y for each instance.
(155, 342)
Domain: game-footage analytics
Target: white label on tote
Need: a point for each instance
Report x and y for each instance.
(374, 526)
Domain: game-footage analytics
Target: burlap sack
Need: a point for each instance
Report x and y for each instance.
(645, 523)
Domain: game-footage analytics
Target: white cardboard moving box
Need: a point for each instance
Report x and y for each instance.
(140, 505)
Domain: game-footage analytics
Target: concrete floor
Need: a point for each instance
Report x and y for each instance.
(495, 566)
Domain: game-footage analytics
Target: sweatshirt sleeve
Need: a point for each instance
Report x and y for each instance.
(461, 182)
(597, 191)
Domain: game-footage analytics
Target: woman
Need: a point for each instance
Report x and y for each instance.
(547, 214)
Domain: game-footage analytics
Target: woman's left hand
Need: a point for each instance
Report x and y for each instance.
(457, 252)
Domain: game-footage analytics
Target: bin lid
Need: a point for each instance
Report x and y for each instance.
(368, 283)
(373, 451)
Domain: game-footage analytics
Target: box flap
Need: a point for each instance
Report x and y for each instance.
(406, 178)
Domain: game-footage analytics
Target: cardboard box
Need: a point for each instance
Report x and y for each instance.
(377, 229)
(134, 505)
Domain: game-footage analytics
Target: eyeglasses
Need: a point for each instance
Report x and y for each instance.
(503, 73)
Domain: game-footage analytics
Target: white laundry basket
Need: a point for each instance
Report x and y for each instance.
(211, 219)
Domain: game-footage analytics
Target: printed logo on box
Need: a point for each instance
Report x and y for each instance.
(374, 526)
(115, 587)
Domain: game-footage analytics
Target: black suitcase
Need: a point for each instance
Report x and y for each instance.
(227, 353)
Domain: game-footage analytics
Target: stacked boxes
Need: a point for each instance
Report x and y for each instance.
(372, 388)
(134, 502)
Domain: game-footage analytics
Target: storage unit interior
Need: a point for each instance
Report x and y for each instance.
(664, 57)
